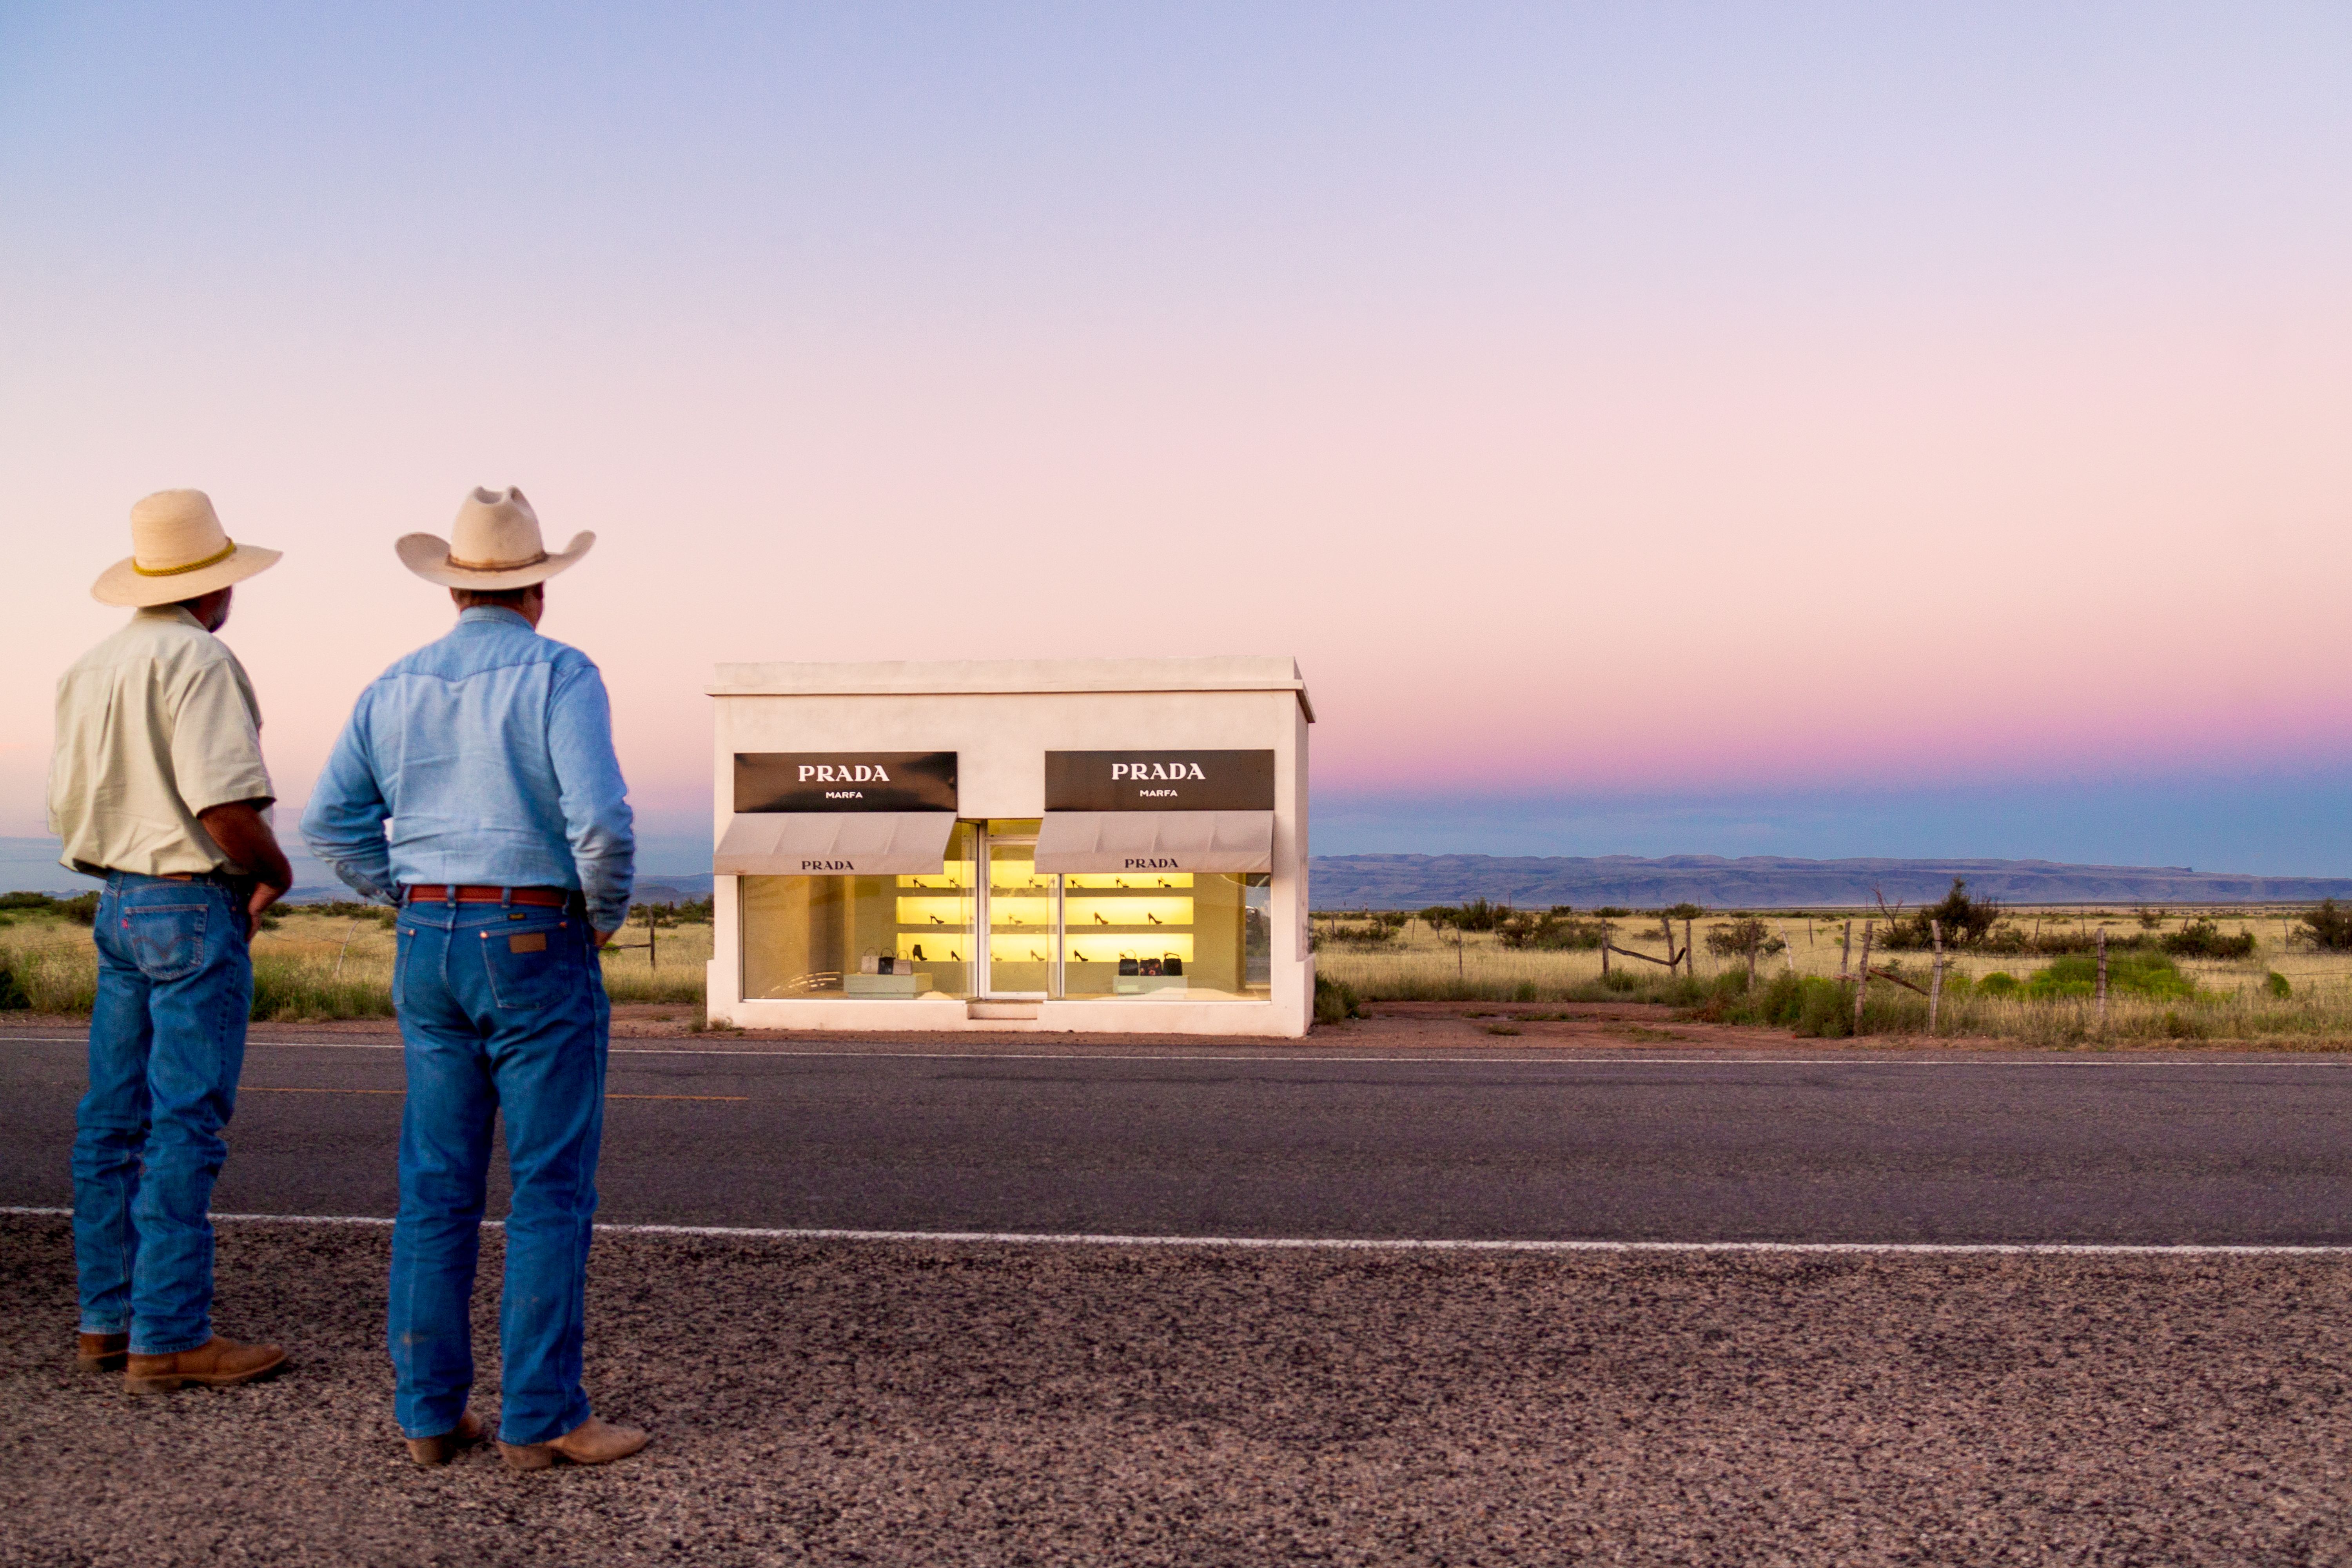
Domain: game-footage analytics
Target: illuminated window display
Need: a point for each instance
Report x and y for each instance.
(831, 935)
(1176, 936)
(1114, 844)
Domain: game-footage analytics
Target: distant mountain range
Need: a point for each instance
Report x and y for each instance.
(1415, 881)
(1772, 882)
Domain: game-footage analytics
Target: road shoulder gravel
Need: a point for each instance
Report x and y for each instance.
(887, 1403)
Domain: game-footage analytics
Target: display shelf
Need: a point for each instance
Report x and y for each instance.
(1087, 948)
(1081, 914)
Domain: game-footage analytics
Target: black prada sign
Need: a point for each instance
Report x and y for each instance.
(845, 781)
(1160, 781)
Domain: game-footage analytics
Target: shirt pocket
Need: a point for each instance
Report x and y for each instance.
(535, 965)
(167, 940)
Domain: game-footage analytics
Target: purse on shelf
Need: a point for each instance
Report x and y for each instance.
(1128, 965)
(1150, 966)
(1171, 964)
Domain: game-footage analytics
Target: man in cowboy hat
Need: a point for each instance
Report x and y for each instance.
(509, 852)
(157, 785)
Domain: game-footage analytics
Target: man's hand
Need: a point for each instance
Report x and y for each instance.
(603, 936)
(245, 838)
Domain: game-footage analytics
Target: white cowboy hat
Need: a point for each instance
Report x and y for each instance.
(493, 545)
(178, 550)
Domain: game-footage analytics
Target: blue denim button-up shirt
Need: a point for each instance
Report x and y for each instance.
(491, 753)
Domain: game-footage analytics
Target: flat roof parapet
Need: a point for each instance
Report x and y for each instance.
(1236, 672)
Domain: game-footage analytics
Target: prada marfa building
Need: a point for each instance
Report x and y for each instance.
(1114, 844)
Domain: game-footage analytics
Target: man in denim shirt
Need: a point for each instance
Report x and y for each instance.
(157, 785)
(509, 852)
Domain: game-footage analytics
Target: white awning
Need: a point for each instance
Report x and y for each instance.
(835, 843)
(1156, 841)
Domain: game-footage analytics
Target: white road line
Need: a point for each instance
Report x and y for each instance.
(1367, 1244)
(2331, 1061)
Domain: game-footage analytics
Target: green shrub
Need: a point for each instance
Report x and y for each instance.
(2131, 972)
(2276, 985)
(1999, 982)
(1335, 1001)
(13, 996)
(82, 909)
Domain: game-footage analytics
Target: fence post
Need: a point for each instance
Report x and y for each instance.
(1862, 976)
(1605, 934)
(1666, 924)
(1936, 981)
(1690, 954)
(2103, 979)
(1788, 947)
(1845, 954)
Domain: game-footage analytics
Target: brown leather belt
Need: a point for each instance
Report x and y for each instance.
(437, 892)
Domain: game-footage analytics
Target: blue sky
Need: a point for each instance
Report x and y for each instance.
(1670, 427)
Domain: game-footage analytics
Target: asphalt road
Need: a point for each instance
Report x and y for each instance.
(1997, 1149)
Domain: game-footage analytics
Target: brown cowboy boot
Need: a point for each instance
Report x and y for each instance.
(103, 1353)
(592, 1442)
(442, 1449)
(215, 1363)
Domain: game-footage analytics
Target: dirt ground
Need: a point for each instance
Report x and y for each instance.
(885, 1402)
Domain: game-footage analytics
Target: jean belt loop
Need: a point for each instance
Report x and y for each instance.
(506, 898)
(449, 895)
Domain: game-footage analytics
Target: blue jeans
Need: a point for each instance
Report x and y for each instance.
(502, 1012)
(167, 1044)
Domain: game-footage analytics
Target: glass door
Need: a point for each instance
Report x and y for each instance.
(1021, 909)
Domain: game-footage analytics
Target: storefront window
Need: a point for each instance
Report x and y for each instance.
(808, 937)
(1174, 936)
(1168, 936)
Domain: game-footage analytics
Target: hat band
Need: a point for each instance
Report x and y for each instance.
(495, 565)
(215, 559)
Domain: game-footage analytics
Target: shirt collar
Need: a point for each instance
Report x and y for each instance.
(173, 613)
(491, 615)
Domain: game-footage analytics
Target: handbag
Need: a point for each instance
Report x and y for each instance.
(1171, 964)
(1128, 965)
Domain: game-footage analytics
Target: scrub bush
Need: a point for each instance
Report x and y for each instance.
(2277, 985)
(1335, 1001)
(2204, 939)
(2328, 927)
(1965, 921)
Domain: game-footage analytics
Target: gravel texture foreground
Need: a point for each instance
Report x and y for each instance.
(885, 1402)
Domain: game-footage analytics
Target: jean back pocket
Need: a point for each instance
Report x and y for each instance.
(167, 940)
(531, 968)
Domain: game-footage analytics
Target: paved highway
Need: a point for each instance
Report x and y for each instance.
(1292, 1143)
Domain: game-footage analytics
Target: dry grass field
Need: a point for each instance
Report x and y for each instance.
(315, 965)
(2233, 999)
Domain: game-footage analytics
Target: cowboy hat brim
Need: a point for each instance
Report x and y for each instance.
(124, 584)
(428, 555)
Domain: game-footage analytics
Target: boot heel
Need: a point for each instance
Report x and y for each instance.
(153, 1385)
(527, 1455)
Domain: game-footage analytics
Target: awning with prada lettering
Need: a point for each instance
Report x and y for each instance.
(1156, 841)
(835, 843)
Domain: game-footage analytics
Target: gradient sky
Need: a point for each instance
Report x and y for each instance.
(1806, 429)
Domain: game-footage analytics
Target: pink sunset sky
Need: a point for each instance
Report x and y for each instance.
(1598, 402)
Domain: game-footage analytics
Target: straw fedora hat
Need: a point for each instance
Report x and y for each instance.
(493, 545)
(178, 550)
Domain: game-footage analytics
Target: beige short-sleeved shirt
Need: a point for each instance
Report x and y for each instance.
(154, 725)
